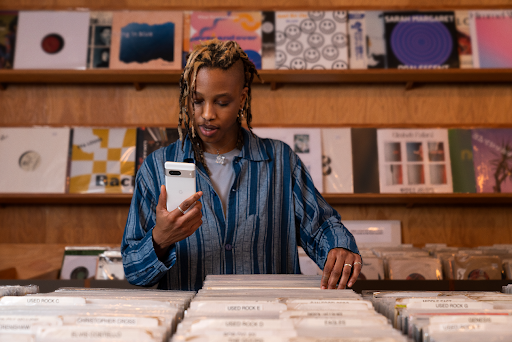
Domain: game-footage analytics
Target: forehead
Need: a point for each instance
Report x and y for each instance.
(217, 80)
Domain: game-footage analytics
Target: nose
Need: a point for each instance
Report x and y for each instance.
(208, 113)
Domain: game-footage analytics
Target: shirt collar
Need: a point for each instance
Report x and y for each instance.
(253, 149)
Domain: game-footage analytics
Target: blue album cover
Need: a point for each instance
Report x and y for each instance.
(142, 43)
(421, 40)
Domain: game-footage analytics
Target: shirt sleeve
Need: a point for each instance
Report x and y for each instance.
(141, 264)
(319, 224)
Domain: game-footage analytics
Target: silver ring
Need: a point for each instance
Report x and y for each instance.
(358, 263)
(348, 265)
(181, 210)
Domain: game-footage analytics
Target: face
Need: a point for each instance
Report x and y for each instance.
(280, 38)
(311, 55)
(298, 64)
(308, 26)
(327, 26)
(330, 52)
(292, 32)
(280, 57)
(294, 48)
(338, 65)
(340, 16)
(316, 15)
(316, 40)
(339, 40)
(218, 98)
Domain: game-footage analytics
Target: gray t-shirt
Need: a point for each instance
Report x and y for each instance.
(222, 175)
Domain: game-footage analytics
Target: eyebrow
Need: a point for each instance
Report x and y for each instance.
(217, 95)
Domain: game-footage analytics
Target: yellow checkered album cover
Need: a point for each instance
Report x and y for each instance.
(102, 160)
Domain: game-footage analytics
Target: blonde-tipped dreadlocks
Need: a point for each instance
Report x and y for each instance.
(212, 54)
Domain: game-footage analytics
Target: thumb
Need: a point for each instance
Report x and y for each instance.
(162, 199)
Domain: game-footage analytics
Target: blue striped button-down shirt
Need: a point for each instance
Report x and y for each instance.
(272, 206)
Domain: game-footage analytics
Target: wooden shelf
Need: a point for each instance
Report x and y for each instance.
(383, 199)
(268, 76)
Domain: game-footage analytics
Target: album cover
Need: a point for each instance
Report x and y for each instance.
(147, 40)
(100, 36)
(464, 39)
(373, 269)
(476, 267)
(79, 267)
(414, 161)
(337, 160)
(507, 268)
(268, 40)
(492, 159)
(426, 268)
(150, 139)
(8, 28)
(357, 39)
(186, 38)
(461, 157)
(375, 40)
(306, 142)
(491, 39)
(102, 160)
(242, 27)
(34, 160)
(365, 162)
(421, 40)
(110, 266)
(311, 40)
(52, 40)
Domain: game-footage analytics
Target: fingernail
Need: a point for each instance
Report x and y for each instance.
(323, 287)
(349, 284)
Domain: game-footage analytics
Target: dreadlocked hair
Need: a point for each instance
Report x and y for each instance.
(212, 54)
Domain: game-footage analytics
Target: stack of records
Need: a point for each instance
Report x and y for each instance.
(280, 308)
(447, 315)
(18, 290)
(80, 314)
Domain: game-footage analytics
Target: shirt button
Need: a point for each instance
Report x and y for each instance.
(228, 247)
(233, 190)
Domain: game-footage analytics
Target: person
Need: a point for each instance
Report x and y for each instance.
(255, 202)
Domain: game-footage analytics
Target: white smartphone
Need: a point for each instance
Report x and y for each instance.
(180, 182)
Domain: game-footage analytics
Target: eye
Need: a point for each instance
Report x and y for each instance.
(223, 104)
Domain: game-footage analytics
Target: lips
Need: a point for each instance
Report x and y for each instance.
(208, 130)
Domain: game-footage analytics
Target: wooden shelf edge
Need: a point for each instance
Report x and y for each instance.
(383, 199)
(268, 76)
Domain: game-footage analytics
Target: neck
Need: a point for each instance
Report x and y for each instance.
(224, 146)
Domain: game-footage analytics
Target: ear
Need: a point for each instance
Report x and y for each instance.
(243, 97)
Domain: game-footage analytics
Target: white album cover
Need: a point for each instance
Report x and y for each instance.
(314, 40)
(79, 266)
(306, 142)
(33, 160)
(337, 160)
(357, 39)
(414, 161)
(52, 40)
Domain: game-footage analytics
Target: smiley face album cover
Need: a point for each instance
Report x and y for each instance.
(311, 40)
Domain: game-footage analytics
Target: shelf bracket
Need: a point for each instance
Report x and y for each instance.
(273, 86)
(409, 85)
(3, 86)
(138, 86)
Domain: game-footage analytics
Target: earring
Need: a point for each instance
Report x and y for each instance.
(241, 113)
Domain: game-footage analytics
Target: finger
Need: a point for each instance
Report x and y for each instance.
(193, 213)
(162, 199)
(191, 200)
(329, 264)
(345, 275)
(355, 274)
(336, 272)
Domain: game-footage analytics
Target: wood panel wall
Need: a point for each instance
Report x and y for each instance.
(348, 104)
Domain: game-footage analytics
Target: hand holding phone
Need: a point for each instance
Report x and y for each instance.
(180, 182)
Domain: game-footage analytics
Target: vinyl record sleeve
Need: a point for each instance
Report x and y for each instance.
(306, 142)
(464, 39)
(375, 40)
(492, 159)
(34, 160)
(52, 40)
(373, 269)
(242, 27)
(100, 37)
(365, 160)
(337, 160)
(415, 269)
(8, 28)
(102, 160)
(461, 157)
(79, 266)
(357, 39)
(150, 139)
(421, 40)
(490, 38)
(414, 161)
(314, 40)
(268, 40)
(147, 40)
